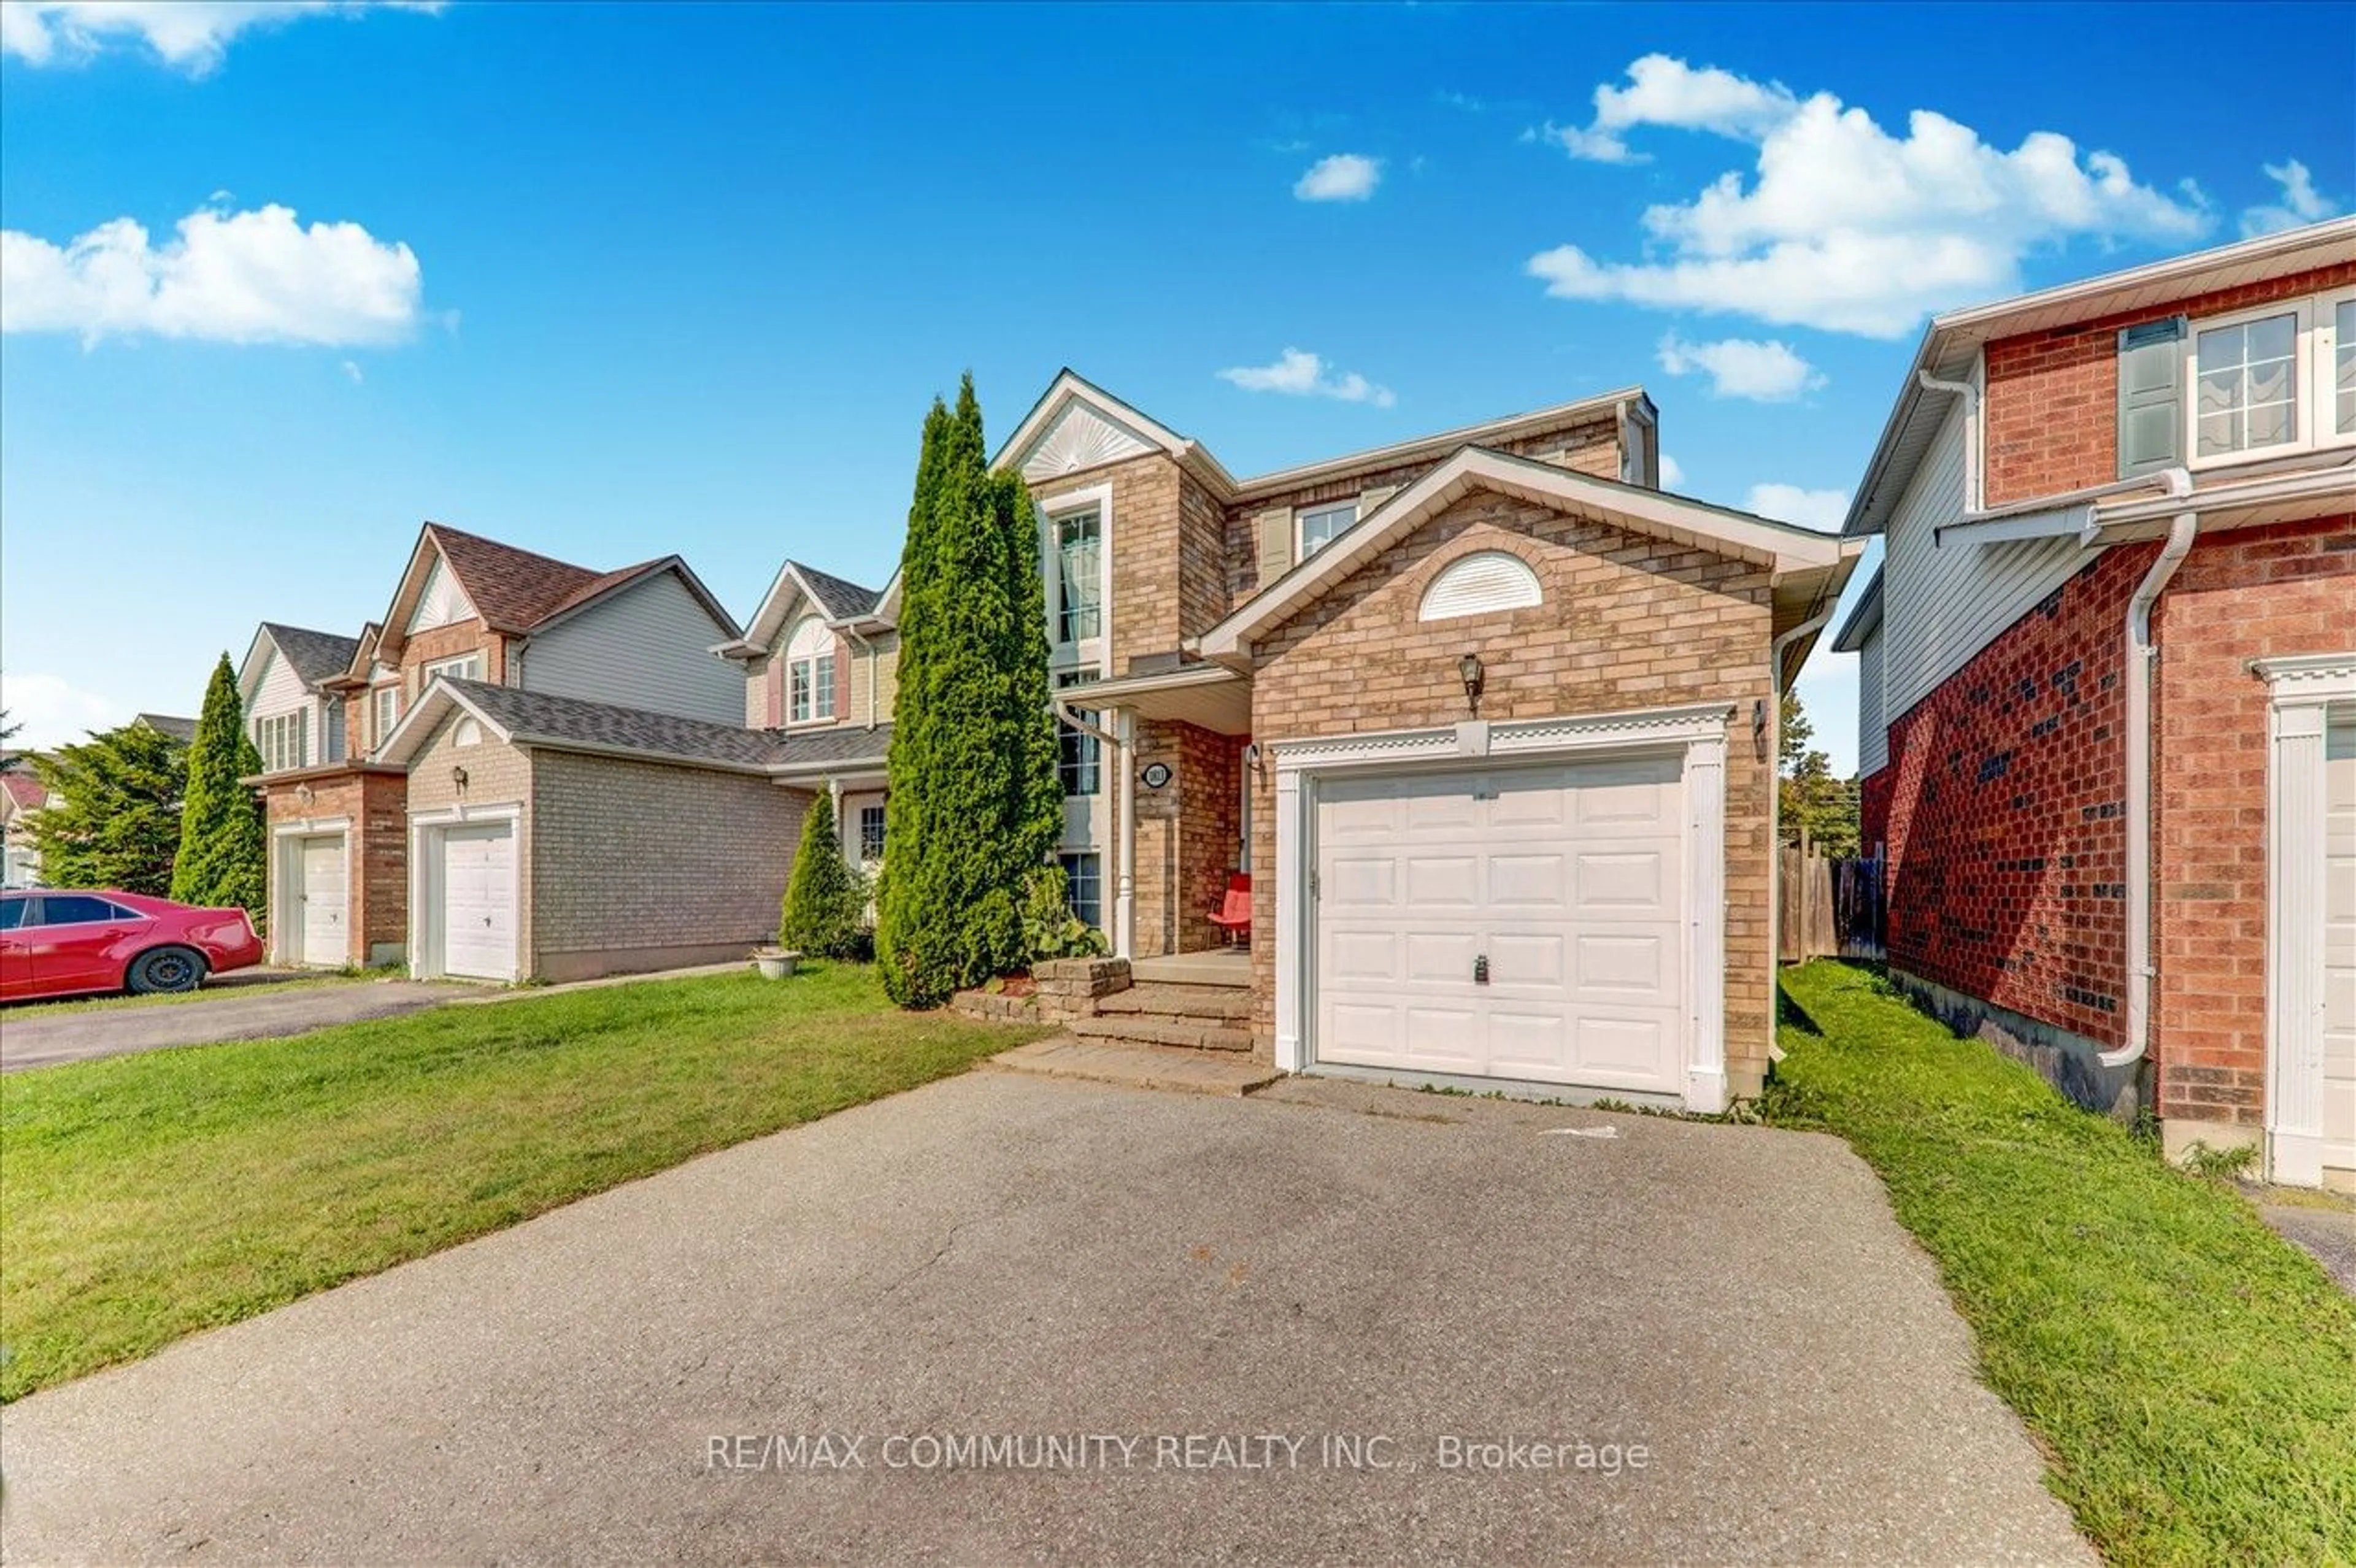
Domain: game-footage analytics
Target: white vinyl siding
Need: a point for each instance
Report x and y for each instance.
(1872, 734)
(647, 647)
(1941, 606)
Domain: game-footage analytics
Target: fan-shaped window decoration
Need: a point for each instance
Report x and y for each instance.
(1478, 585)
(809, 673)
(467, 733)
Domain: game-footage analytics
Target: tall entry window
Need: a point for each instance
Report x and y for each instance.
(1079, 575)
(1077, 752)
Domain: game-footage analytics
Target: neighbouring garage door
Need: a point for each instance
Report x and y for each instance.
(1506, 922)
(478, 901)
(321, 865)
(2340, 948)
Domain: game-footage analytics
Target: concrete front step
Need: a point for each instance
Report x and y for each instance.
(1161, 1029)
(1215, 1003)
(1139, 1066)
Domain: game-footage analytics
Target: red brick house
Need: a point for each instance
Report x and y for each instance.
(2108, 727)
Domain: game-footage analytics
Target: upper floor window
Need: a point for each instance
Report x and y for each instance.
(1079, 575)
(809, 673)
(2278, 379)
(280, 737)
(1077, 753)
(1321, 525)
(465, 666)
(388, 712)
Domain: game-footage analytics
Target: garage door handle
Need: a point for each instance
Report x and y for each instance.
(487, 920)
(1481, 970)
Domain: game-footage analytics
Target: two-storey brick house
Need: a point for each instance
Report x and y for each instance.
(402, 827)
(1486, 716)
(2107, 688)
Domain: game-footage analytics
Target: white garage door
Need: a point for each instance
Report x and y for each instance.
(2339, 949)
(478, 901)
(321, 866)
(1504, 922)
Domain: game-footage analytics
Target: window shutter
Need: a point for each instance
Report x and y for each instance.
(1275, 544)
(302, 735)
(1370, 499)
(2151, 396)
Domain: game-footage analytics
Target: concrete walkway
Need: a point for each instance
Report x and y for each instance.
(1328, 1322)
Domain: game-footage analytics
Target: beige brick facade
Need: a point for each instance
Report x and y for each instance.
(1627, 622)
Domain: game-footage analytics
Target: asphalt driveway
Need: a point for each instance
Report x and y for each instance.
(1349, 1285)
(35, 1036)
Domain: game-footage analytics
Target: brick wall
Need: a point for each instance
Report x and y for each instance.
(1627, 622)
(377, 865)
(633, 856)
(423, 648)
(1187, 836)
(2255, 593)
(1144, 536)
(2000, 810)
(2052, 397)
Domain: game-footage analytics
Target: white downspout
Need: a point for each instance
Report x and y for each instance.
(2138, 805)
(1120, 738)
(1973, 484)
(1775, 781)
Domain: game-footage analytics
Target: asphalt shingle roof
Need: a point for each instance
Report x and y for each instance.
(541, 717)
(514, 590)
(315, 657)
(840, 597)
(164, 724)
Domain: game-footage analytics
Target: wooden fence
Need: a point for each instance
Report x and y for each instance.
(1832, 908)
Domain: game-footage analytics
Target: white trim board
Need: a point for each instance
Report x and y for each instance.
(1697, 733)
(2304, 689)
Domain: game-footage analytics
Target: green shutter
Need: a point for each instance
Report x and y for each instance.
(2151, 396)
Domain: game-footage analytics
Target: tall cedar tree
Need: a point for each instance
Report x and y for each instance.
(114, 820)
(223, 836)
(1809, 795)
(825, 902)
(974, 801)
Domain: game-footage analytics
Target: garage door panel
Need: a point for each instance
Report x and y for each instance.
(1568, 878)
(1438, 958)
(1627, 882)
(1529, 881)
(1370, 956)
(478, 901)
(1533, 959)
(1435, 882)
(326, 891)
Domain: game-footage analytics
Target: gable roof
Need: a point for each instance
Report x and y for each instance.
(1808, 568)
(1952, 343)
(23, 787)
(837, 599)
(1122, 431)
(522, 717)
(314, 655)
(516, 592)
(166, 724)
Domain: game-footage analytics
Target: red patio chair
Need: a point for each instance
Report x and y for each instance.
(1233, 917)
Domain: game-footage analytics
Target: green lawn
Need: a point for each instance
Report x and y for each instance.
(2190, 1376)
(150, 1195)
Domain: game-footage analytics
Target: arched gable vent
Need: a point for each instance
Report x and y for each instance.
(1479, 584)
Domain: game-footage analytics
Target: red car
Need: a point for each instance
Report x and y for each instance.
(55, 942)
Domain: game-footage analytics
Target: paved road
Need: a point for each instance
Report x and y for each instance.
(33, 1036)
(1003, 1254)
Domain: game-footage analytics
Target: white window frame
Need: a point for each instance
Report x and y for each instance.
(1301, 548)
(2325, 351)
(2314, 339)
(384, 703)
(283, 739)
(458, 667)
(815, 662)
(1087, 651)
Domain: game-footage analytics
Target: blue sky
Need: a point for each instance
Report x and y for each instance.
(613, 282)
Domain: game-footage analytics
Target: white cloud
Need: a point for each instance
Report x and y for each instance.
(2301, 203)
(1672, 473)
(54, 711)
(1738, 367)
(351, 369)
(192, 34)
(1841, 225)
(1790, 504)
(229, 277)
(1344, 177)
(1299, 374)
(1662, 91)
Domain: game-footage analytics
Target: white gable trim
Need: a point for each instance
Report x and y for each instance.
(1067, 391)
(441, 598)
(1476, 468)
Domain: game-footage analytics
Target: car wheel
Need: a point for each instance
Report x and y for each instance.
(166, 969)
